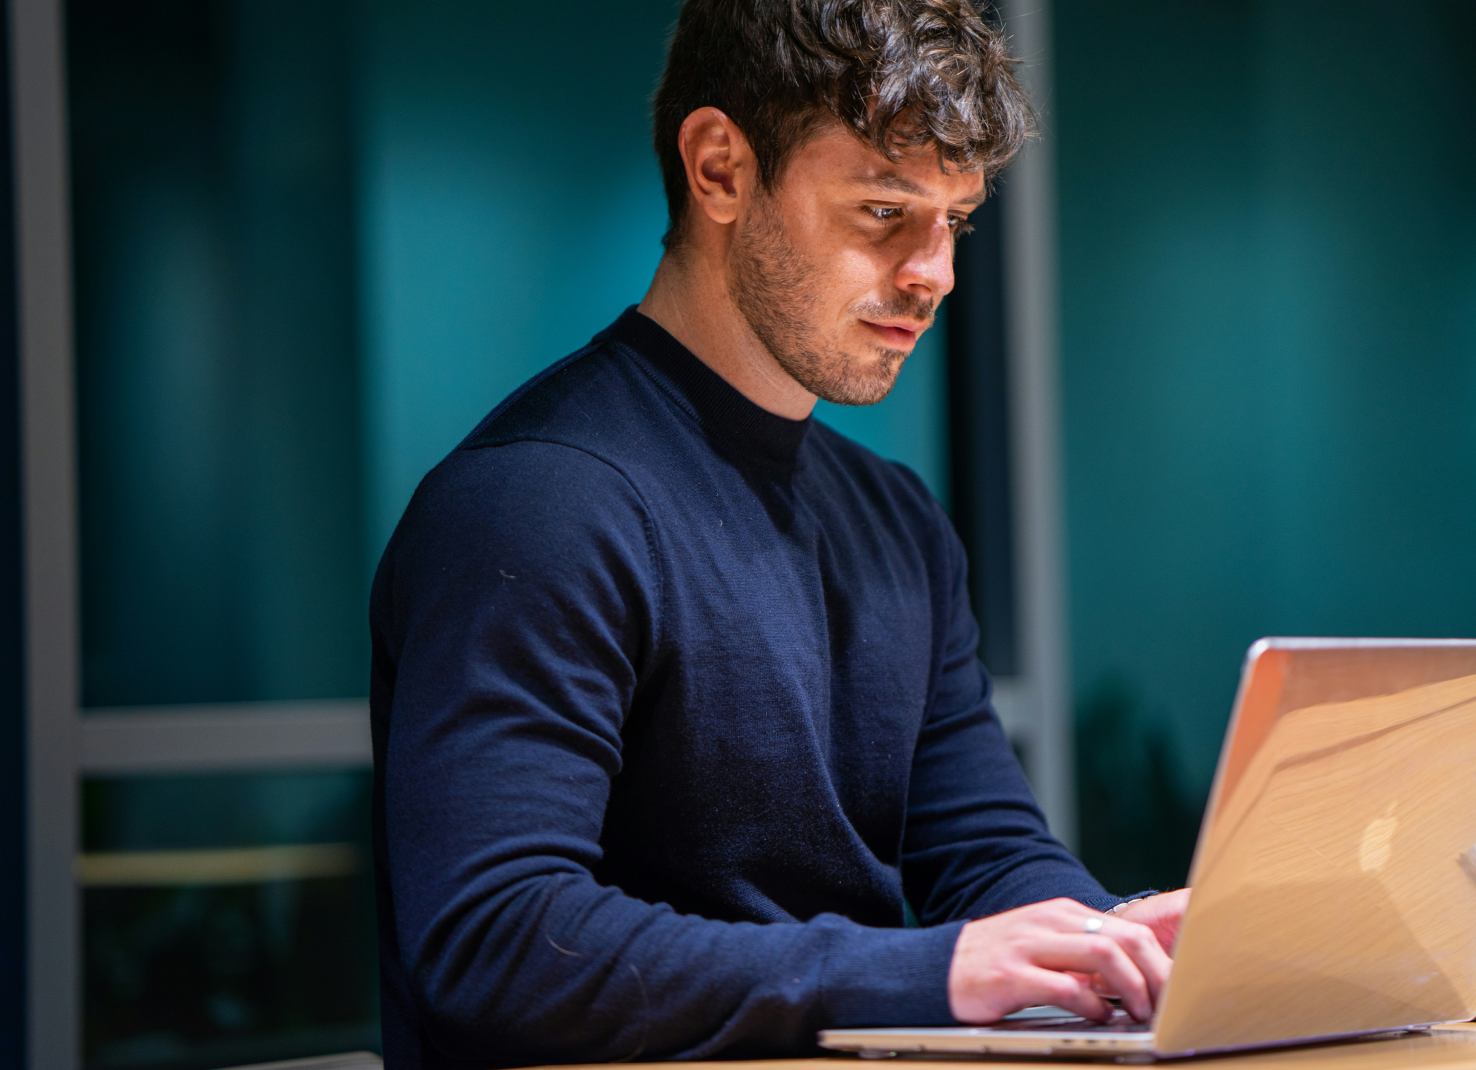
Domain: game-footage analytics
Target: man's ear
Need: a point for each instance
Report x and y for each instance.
(721, 167)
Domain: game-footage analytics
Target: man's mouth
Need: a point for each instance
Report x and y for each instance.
(896, 334)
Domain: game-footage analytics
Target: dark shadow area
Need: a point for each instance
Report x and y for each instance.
(187, 973)
(1137, 824)
(195, 977)
(979, 435)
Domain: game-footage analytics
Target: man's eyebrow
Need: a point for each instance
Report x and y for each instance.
(902, 185)
(894, 182)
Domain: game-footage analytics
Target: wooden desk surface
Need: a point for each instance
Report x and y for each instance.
(1450, 1046)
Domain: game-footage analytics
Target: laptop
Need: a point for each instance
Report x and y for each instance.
(1334, 877)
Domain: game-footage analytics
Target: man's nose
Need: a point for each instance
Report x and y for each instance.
(927, 270)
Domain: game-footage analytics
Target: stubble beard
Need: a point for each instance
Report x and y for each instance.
(774, 287)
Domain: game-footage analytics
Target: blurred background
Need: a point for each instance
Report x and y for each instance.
(1209, 375)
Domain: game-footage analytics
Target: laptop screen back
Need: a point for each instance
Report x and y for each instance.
(1335, 876)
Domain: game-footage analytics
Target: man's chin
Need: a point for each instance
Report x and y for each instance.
(864, 380)
(843, 378)
(855, 390)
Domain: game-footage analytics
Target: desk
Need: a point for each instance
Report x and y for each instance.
(1448, 1047)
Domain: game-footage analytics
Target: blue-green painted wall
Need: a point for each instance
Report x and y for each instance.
(510, 208)
(1268, 287)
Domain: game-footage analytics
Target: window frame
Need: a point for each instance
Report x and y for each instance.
(64, 743)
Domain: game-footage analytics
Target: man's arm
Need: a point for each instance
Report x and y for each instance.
(520, 606)
(977, 846)
(976, 843)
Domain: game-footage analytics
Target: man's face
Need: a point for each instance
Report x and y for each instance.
(841, 268)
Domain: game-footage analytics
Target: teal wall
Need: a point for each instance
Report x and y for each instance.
(510, 207)
(1268, 287)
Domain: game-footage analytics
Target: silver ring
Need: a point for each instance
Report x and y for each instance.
(1092, 925)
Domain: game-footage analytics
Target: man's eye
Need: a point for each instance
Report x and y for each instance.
(885, 214)
(959, 225)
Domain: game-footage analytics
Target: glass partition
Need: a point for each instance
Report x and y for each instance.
(217, 356)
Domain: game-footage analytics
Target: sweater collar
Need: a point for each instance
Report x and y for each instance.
(773, 441)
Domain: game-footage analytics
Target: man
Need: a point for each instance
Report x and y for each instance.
(676, 704)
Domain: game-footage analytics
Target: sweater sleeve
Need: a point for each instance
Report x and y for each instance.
(519, 607)
(976, 843)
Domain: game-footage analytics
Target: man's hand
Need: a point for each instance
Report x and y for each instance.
(1161, 913)
(1043, 953)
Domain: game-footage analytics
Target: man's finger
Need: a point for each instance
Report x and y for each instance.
(1099, 953)
(1161, 913)
(1141, 945)
(1067, 991)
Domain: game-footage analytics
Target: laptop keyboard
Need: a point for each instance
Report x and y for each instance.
(1120, 1022)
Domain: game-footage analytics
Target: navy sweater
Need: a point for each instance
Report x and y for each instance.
(674, 702)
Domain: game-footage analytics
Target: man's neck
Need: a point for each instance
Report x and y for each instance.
(689, 297)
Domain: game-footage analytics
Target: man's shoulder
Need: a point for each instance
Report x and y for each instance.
(521, 507)
(562, 441)
(593, 400)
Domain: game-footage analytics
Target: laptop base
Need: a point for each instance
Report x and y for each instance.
(1120, 1039)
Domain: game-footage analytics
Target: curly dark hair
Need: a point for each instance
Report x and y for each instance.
(903, 75)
